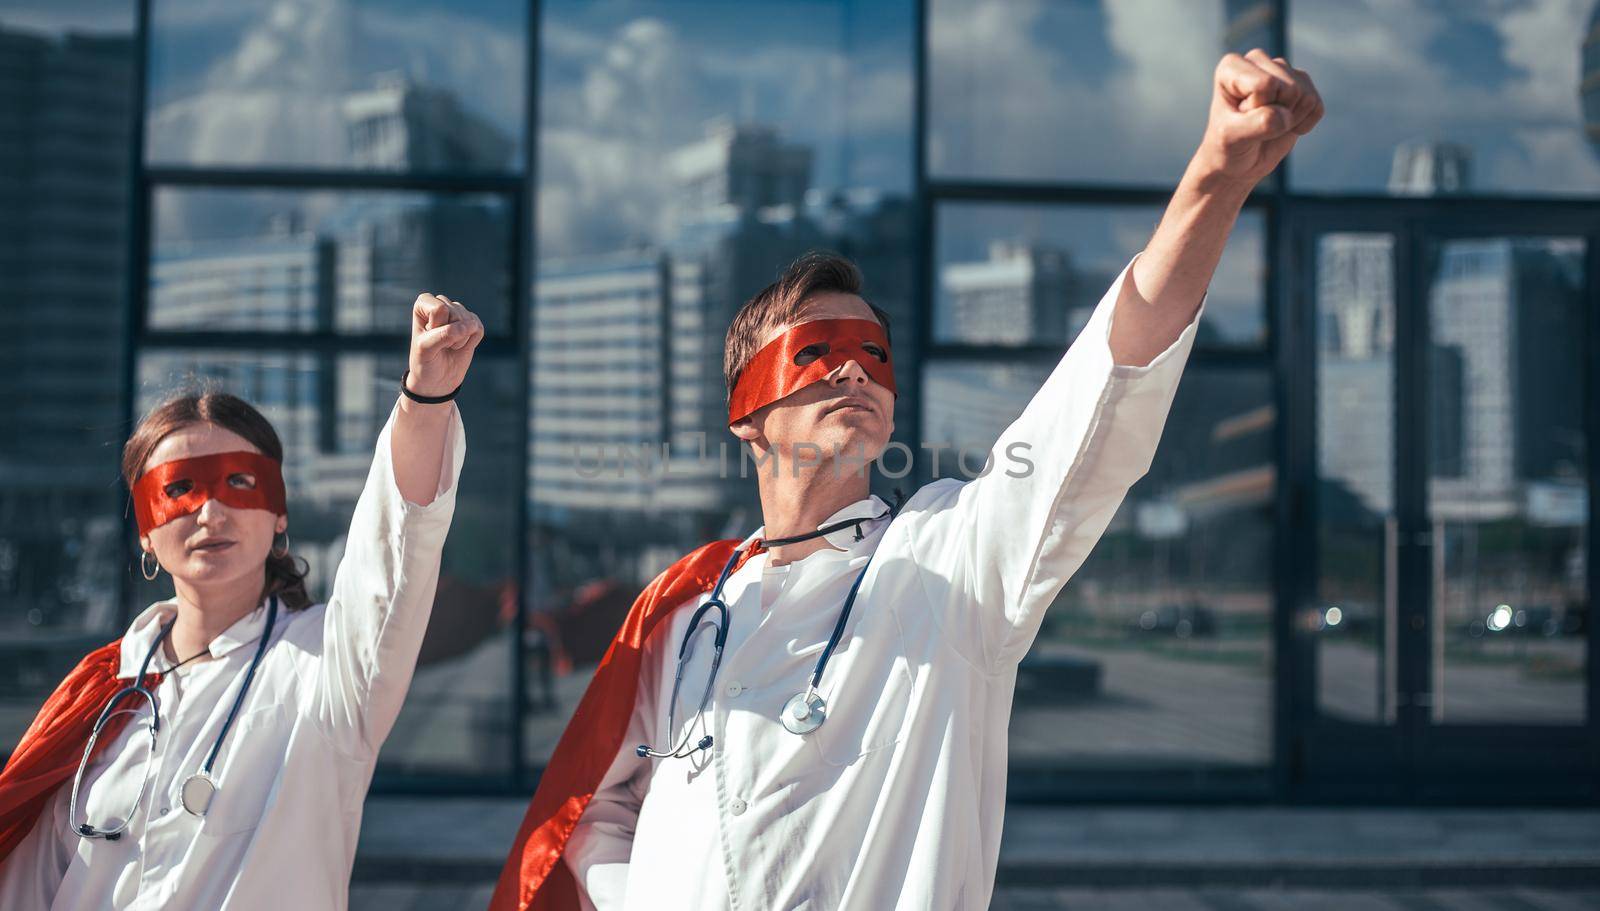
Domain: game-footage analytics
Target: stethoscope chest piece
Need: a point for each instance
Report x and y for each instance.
(804, 713)
(198, 790)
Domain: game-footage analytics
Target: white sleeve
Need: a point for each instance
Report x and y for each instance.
(601, 846)
(1007, 542)
(382, 598)
(32, 874)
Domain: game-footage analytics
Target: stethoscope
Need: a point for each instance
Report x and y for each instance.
(198, 789)
(805, 711)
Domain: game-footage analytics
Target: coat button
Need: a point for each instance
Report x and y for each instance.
(734, 689)
(738, 807)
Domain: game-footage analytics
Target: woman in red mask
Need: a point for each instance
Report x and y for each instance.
(217, 755)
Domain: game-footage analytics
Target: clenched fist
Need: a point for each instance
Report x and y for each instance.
(443, 336)
(1260, 106)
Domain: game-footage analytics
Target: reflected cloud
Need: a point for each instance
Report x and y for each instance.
(1114, 92)
(1069, 90)
(1499, 77)
(621, 97)
(275, 92)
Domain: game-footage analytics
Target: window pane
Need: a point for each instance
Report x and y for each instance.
(328, 410)
(1440, 98)
(1032, 274)
(1508, 484)
(67, 112)
(689, 151)
(1358, 528)
(290, 261)
(1077, 90)
(412, 86)
(1158, 653)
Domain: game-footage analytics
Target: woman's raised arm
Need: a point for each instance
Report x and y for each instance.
(384, 589)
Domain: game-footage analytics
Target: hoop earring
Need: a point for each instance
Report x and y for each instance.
(285, 551)
(144, 566)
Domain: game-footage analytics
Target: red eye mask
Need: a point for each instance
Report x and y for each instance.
(772, 374)
(208, 480)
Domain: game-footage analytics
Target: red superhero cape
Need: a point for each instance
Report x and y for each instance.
(534, 877)
(48, 754)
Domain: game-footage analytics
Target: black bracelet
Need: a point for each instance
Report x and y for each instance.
(425, 399)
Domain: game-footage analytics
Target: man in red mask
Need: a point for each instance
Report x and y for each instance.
(816, 716)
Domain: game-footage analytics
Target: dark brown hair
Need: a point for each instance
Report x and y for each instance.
(285, 575)
(780, 303)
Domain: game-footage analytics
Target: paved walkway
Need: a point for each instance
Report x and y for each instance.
(461, 898)
(436, 853)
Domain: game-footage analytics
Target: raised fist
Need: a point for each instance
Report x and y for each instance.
(443, 336)
(1260, 106)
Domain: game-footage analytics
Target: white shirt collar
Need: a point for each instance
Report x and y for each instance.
(141, 635)
(844, 538)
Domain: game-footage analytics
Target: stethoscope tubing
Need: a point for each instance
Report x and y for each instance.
(715, 601)
(138, 688)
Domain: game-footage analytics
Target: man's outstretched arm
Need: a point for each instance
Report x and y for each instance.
(1259, 107)
(1005, 543)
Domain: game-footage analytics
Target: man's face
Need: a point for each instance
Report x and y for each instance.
(846, 413)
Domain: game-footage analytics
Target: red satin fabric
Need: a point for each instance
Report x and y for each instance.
(534, 877)
(772, 373)
(47, 756)
(209, 474)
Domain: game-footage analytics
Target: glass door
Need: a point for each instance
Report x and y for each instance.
(1346, 644)
(1503, 509)
(1440, 640)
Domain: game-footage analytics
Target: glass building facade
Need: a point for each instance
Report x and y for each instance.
(1360, 567)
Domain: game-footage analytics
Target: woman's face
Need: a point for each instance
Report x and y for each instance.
(219, 544)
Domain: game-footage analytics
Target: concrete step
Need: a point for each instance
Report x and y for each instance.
(463, 841)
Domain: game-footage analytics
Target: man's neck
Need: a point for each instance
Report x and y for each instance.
(206, 613)
(798, 503)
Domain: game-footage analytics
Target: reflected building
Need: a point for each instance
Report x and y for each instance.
(401, 126)
(1022, 294)
(282, 281)
(392, 255)
(1506, 444)
(1355, 339)
(1506, 426)
(601, 370)
(736, 169)
(390, 252)
(357, 270)
(1506, 317)
(629, 413)
(389, 256)
(1430, 169)
(65, 189)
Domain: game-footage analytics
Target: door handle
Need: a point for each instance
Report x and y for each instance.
(1391, 620)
